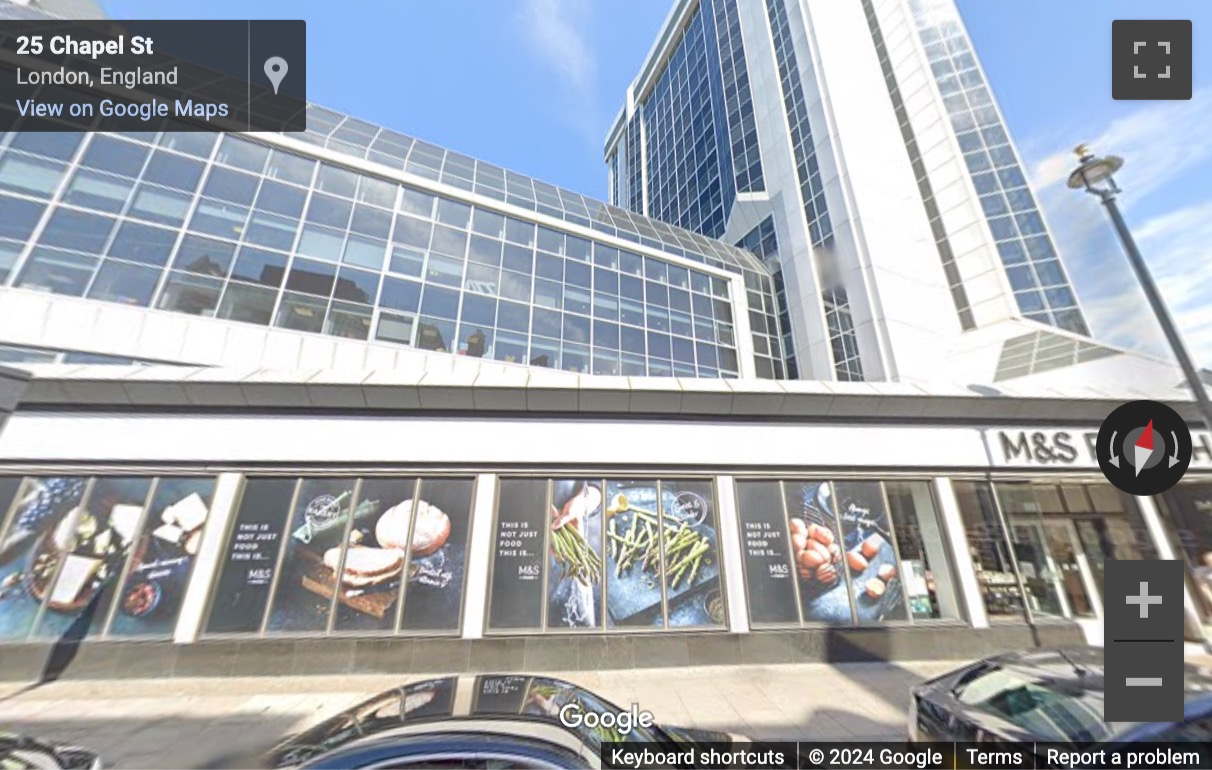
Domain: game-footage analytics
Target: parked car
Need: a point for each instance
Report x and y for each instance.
(21, 752)
(505, 721)
(1053, 695)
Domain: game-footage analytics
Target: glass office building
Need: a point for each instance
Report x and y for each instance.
(812, 114)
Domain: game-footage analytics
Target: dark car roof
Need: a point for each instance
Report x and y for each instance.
(499, 705)
(1045, 694)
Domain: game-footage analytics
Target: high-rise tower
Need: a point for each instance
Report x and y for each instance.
(857, 147)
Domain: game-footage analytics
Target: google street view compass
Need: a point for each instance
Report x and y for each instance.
(1144, 448)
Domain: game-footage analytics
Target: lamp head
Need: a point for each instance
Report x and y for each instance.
(1095, 174)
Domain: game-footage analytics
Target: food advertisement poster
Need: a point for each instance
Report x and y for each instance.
(163, 558)
(83, 565)
(769, 569)
(869, 556)
(817, 545)
(438, 555)
(431, 699)
(500, 694)
(523, 513)
(662, 542)
(574, 582)
(314, 536)
(245, 580)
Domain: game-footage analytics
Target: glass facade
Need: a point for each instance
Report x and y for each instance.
(959, 294)
(684, 156)
(224, 227)
(763, 241)
(742, 132)
(1041, 286)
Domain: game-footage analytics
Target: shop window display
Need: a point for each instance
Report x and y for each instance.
(989, 550)
(354, 556)
(827, 552)
(115, 551)
(1188, 506)
(619, 553)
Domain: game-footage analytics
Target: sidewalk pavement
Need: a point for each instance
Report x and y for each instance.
(196, 722)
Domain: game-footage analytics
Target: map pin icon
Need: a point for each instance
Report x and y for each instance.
(275, 70)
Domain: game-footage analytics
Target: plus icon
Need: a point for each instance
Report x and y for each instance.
(1151, 59)
(1143, 600)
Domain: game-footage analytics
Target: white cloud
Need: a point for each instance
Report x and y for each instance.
(556, 32)
(1162, 142)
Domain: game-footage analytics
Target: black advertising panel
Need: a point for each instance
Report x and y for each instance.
(246, 577)
(517, 570)
(870, 557)
(500, 694)
(768, 568)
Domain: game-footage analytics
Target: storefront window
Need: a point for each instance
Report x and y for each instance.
(359, 556)
(1040, 572)
(924, 564)
(110, 552)
(620, 554)
(989, 550)
(1189, 508)
(831, 552)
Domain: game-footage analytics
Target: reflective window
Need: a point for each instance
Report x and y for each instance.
(141, 243)
(124, 282)
(57, 271)
(251, 304)
(192, 294)
(108, 153)
(30, 175)
(18, 217)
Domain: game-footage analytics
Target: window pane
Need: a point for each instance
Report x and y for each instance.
(165, 207)
(323, 510)
(141, 243)
(442, 303)
(106, 153)
(251, 556)
(519, 232)
(311, 277)
(321, 243)
(251, 304)
(449, 242)
(475, 340)
(488, 223)
(337, 181)
(394, 328)
(816, 539)
(377, 192)
(242, 154)
(400, 295)
(412, 232)
(225, 220)
(125, 283)
(371, 222)
(8, 259)
(989, 551)
(417, 202)
(94, 190)
(453, 213)
(191, 294)
(52, 145)
(301, 312)
(290, 168)
(516, 598)
(173, 171)
(433, 601)
(230, 186)
(190, 143)
(18, 218)
(327, 210)
(407, 261)
(357, 286)
(435, 334)
(281, 199)
(445, 270)
(76, 230)
(365, 252)
(154, 589)
(348, 321)
(32, 176)
(57, 271)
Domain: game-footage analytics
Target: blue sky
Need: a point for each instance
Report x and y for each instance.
(534, 84)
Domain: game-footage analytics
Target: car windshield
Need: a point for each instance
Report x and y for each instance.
(1055, 698)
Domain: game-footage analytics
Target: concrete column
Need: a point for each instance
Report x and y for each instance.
(479, 557)
(209, 560)
(12, 384)
(957, 543)
(1165, 550)
(731, 555)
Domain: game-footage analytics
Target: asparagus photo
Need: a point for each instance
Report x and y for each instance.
(572, 551)
(638, 542)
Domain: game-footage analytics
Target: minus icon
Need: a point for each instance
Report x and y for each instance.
(1143, 681)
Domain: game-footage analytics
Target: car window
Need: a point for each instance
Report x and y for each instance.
(1050, 708)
